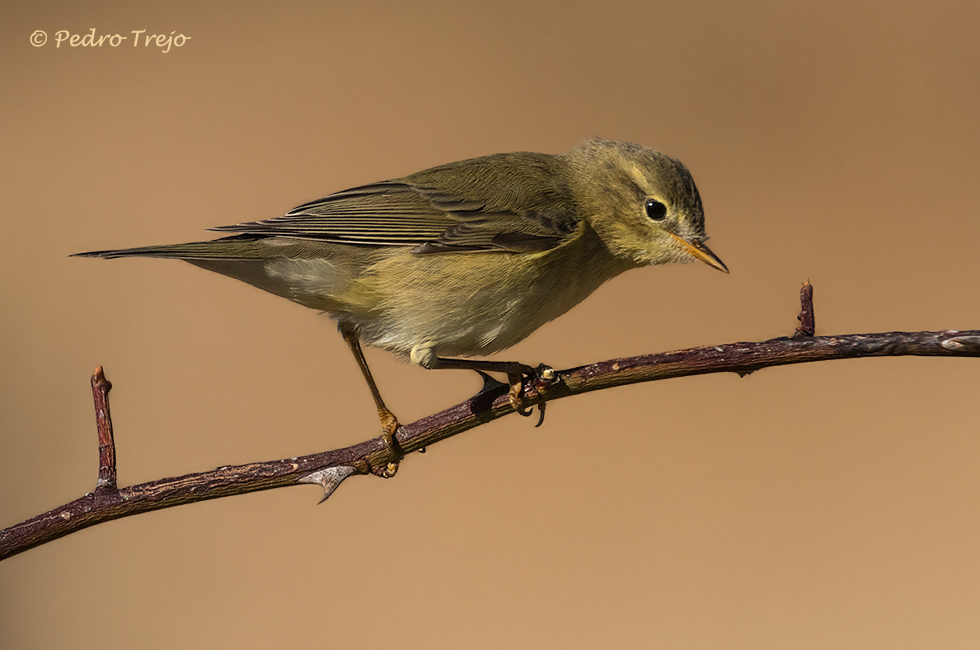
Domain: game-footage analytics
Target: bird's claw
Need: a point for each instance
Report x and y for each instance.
(540, 421)
(389, 425)
(517, 402)
(540, 378)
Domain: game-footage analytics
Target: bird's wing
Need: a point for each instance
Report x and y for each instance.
(511, 202)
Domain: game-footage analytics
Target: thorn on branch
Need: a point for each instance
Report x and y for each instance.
(103, 421)
(329, 479)
(808, 324)
(962, 344)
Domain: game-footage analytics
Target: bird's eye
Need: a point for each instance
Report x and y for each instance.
(656, 210)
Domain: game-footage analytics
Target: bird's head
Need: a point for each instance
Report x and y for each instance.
(642, 204)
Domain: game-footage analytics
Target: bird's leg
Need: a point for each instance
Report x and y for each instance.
(515, 375)
(389, 423)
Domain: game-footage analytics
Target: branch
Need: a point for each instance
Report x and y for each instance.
(330, 468)
(103, 422)
(808, 324)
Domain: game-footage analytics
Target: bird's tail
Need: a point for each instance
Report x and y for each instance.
(238, 247)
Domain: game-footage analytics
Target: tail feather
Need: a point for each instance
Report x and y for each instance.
(306, 271)
(228, 248)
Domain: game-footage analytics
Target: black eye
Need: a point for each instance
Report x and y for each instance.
(656, 210)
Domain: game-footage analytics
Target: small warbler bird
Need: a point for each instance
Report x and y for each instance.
(468, 258)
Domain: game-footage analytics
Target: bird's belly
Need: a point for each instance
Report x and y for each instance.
(481, 329)
(434, 309)
(460, 329)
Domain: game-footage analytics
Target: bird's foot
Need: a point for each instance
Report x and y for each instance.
(389, 425)
(539, 379)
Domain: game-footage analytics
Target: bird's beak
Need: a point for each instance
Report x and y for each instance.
(701, 252)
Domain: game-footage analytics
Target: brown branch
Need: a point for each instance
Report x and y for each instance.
(808, 324)
(103, 421)
(329, 468)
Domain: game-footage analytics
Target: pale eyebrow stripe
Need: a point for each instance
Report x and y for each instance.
(640, 179)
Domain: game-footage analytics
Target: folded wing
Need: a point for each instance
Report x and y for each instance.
(513, 202)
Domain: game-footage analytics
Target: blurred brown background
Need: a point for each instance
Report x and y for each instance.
(825, 505)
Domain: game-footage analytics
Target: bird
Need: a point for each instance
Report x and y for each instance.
(465, 259)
